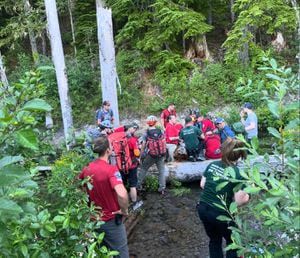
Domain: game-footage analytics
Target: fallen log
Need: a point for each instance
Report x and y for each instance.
(191, 171)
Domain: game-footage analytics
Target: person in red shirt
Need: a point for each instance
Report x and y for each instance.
(206, 123)
(166, 113)
(212, 145)
(109, 195)
(131, 176)
(172, 136)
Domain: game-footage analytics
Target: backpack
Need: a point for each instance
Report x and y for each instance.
(121, 152)
(156, 143)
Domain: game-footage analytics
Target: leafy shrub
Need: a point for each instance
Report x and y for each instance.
(151, 183)
(34, 225)
(269, 226)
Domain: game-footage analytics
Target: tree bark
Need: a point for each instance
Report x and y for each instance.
(60, 69)
(107, 58)
(4, 80)
(244, 51)
(44, 43)
(70, 9)
(297, 12)
(32, 39)
(232, 14)
(210, 18)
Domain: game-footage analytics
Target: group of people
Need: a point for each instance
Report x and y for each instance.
(202, 139)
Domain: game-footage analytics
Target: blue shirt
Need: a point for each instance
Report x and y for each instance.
(251, 118)
(226, 132)
(105, 115)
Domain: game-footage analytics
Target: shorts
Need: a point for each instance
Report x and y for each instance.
(130, 177)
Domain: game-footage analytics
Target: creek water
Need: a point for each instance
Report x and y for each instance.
(170, 227)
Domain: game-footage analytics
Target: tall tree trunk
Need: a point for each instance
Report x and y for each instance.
(210, 18)
(3, 77)
(60, 68)
(244, 51)
(232, 14)
(296, 7)
(70, 9)
(32, 39)
(44, 43)
(107, 57)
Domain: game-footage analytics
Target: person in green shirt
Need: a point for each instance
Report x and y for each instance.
(207, 210)
(190, 135)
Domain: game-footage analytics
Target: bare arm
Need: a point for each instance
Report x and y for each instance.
(250, 127)
(241, 197)
(202, 182)
(122, 198)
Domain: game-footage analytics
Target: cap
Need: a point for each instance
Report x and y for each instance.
(133, 125)
(248, 105)
(219, 120)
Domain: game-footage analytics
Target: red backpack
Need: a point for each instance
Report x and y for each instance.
(156, 143)
(121, 152)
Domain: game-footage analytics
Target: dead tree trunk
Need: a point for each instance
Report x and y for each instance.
(70, 9)
(3, 77)
(244, 51)
(198, 49)
(107, 57)
(60, 68)
(32, 39)
(232, 14)
(296, 7)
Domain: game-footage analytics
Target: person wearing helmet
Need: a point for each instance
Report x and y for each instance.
(153, 151)
(106, 128)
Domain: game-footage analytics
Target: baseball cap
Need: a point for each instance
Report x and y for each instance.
(219, 120)
(248, 105)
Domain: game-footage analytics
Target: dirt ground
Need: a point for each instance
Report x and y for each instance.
(170, 227)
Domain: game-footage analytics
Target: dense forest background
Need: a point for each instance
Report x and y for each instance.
(204, 54)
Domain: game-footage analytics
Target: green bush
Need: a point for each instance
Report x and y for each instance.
(269, 225)
(151, 183)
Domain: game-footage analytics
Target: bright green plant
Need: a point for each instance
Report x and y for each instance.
(34, 225)
(151, 183)
(269, 225)
(178, 189)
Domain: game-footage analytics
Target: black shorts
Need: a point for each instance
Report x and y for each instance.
(130, 177)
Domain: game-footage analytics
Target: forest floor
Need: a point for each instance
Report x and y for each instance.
(170, 227)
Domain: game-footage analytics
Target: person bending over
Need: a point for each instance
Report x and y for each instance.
(224, 129)
(207, 210)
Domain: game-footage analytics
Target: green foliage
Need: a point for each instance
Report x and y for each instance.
(268, 226)
(265, 17)
(48, 224)
(178, 189)
(151, 183)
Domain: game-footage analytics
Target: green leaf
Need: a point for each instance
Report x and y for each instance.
(273, 63)
(24, 250)
(27, 139)
(273, 77)
(37, 105)
(221, 186)
(50, 227)
(254, 143)
(274, 108)
(252, 189)
(233, 207)
(7, 160)
(9, 207)
(256, 174)
(224, 218)
(274, 132)
(58, 219)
